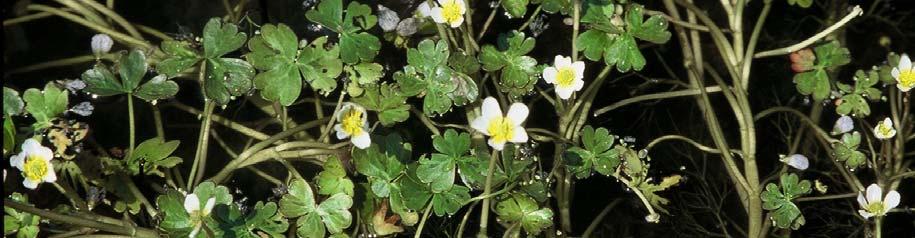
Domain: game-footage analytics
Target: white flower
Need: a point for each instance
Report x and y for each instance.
(565, 75)
(797, 161)
(353, 123)
(843, 124)
(501, 129)
(873, 206)
(424, 10)
(192, 206)
(101, 44)
(884, 130)
(904, 73)
(35, 163)
(450, 12)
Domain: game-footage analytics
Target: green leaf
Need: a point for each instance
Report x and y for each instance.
(515, 8)
(625, 54)
(328, 13)
(449, 202)
(519, 73)
(153, 154)
(310, 226)
(593, 43)
(413, 193)
(12, 104)
(779, 198)
(854, 99)
(473, 169)
(846, 150)
(132, 68)
(358, 47)
(452, 143)
(274, 50)
(100, 81)
(428, 55)
(221, 38)
(650, 190)
(596, 153)
(176, 221)
(831, 55)
(320, 64)
(9, 135)
(262, 221)
(333, 179)
(814, 82)
(391, 107)
(653, 30)
(46, 104)
(179, 57)
(801, 3)
(157, 88)
(299, 201)
(618, 47)
(226, 78)
(20, 223)
(366, 73)
(381, 168)
(521, 208)
(355, 46)
(438, 171)
(335, 213)
(461, 62)
(332, 212)
(554, 6)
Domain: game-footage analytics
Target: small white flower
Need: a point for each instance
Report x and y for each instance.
(35, 163)
(101, 44)
(353, 123)
(424, 10)
(192, 206)
(797, 161)
(873, 206)
(843, 124)
(904, 73)
(450, 12)
(501, 129)
(565, 75)
(884, 130)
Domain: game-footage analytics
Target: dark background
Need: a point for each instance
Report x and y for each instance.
(698, 207)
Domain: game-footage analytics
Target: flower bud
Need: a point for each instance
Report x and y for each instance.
(101, 44)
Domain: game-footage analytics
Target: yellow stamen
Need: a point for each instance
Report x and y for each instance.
(352, 122)
(35, 168)
(875, 208)
(501, 129)
(451, 11)
(565, 77)
(907, 78)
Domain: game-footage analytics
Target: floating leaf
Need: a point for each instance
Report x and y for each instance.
(519, 73)
(521, 208)
(778, 199)
(46, 104)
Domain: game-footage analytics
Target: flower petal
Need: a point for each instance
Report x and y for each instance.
(191, 203)
(519, 135)
(457, 22)
(579, 68)
(437, 15)
(462, 6)
(903, 88)
(865, 214)
(50, 176)
(896, 73)
(341, 134)
(424, 10)
(891, 200)
(480, 124)
(578, 84)
(209, 205)
(496, 145)
(905, 62)
(195, 231)
(861, 201)
(517, 113)
(18, 160)
(31, 146)
(362, 141)
(491, 108)
(874, 193)
(564, 93)
(561, 61)
(798, 161)
(28, 183)
(549, 75)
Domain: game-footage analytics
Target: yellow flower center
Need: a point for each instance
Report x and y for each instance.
(884, 130)
(352, 122)
(35, 168)
(451, 11)
(565, 77)
(875, 208)
(501, 129)
(907, 78)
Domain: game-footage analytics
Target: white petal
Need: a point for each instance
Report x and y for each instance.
(457, 22)
(28, 183)
(905, 62)
(491, 108)
(579, 68)
(480, 124)
(45, 153)
(18, 160)
(209, 206)
(341, 134)
(191, 203)
(578, 84)
(874, 193)
(496, 145)
(896, 73)
(561, 62)
(865, 214)
(463, 6)
(891, 201)
(798, 161)
(861, 201)
(437, 15)
(517, 113)
(549, 75)
(843, 124)
(564, 93)
(903, 88)
(50, 176)
(424, 10)
(519, 135)
(195, 231)
(31, 146)
(362, 141)
(887, 122)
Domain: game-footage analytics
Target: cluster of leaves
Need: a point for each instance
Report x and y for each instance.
(226, 218)
(519, 72)
(847, 152)
(428, 74)
(12, 106)
(853, 100)
(613, 38)
(778, 199)
(23, 224)
(815, 79)
(131, 69)
(520, 208)
(315, 220)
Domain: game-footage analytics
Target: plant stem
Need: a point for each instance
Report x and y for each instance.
(82, 222)
(133, 126)
(200, 158)
(855, 12)
(484, 213)
(878, 227)
(102, 29)
(422, 223)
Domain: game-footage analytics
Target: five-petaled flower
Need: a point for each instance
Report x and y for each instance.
(884, 130)
(904, 73)
(499, 128)
(873, 205)
(450, 12)
(35, 163)
(353, 123)
(565, 75)
(192, 206)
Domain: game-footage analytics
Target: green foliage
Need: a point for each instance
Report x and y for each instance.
(801, 3)
(554, 6)
(614, 43)
(381, 168)
(263, 221)
(284, 64)
(816, 81)
(131, 70)
(152, 155)
(596, 154)
(854, 99)
(429, 75)
(412, 193)
(847, 152)
(332, 213)
(23, 224)
(519, 208)
(778, 199)
(12, 105)
(355, 44)
(439, 169)
(384, 99)
(650, 190)
(519, 71)
(333, 179)
(45, 105)
(515, 8)
(177, 222)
